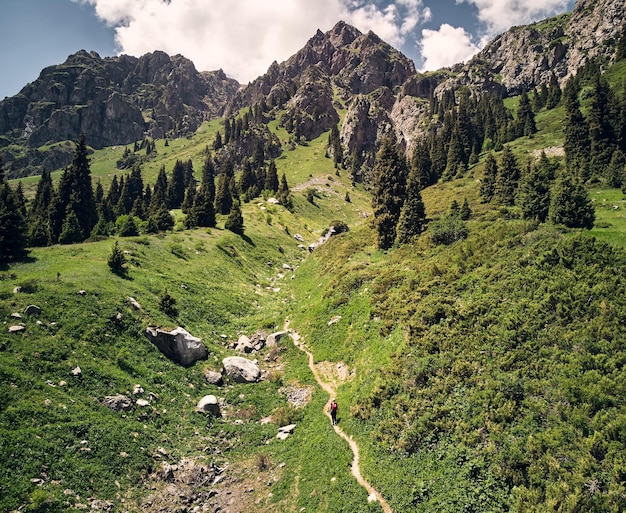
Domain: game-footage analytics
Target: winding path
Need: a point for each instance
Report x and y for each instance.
(373, 494)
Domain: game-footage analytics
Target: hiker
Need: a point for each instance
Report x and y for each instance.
(333, 411)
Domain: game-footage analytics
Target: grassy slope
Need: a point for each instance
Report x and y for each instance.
(375, 294)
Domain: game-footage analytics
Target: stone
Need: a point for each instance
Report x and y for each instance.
(77, 371)
(133, 302)
(118, 402)
(241, 370)
(209, 404)
(142, 402)
(32, 310)
(178, 345)
(285, 431)
(16, 328)
(213, 377)
(274, 338)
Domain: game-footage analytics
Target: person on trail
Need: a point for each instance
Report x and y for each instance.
(333, 411)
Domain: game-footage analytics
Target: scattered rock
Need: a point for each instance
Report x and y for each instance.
(138, 389)
(248, 345)
(142, 402)
(178, 345)
(32, 310)
(82, 292)
(77, 371)
(285, 431)
(334, 320)
(16, 315)
(209, 404)
(213, 377)
(17, 290)
(274, 338)
(133, 302)
(296, 396)
(16, 328)
(298, 237)
(241, 370)
(118, 402)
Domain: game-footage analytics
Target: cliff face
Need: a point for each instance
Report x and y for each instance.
(113, 101)
(526, 56)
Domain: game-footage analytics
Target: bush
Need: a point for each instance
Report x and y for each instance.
(447, 230)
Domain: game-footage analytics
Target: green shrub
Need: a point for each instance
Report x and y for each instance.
(447, 230)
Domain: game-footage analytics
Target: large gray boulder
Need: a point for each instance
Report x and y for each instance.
(241, 370)
(178, 345)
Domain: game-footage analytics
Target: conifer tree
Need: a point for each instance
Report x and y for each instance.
(525, 124)
(234, 222)
(13, 239)
(71, 233)
(117, 261)
(577, 145)
(413, 215)
(389, 178)
(421, 163)
(176, 187)
(570, 204)
(487, 186)
(204, 209)
(113, 196)
(131, 191)
(271, 178)
(466, 211)
(554, 93)
(159, 193)
(82, 201)
(602, 114)
(217, 143)
(283, 195)
(247, 180)
(535, 195)
(223, 196)
(190, 196)
(39, 215)
(507, 179)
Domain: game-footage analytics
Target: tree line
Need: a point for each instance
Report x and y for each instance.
(75, 211)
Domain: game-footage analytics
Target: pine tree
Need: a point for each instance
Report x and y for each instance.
(234, 222)
(176, 187)
(421, 163)
(535, 195)
(413, 215)
(71, 233)
(507, 179)
(247, 180)
(271, 178)
(13, 239)
(554, 93)
(39, 215)
(159, 193)
(203, 211)
(466, 211)
(283, 195)
(602, 113)
(577, 145)
(487, 186)
(525, 124)
(389, 178)
(82, 201)
(571, 205)
(190, 196)
(223, 196)
(131, 192)
(117, 261)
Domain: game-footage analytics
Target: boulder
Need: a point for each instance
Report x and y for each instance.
(178, 345)
(209, 404)
(16, 328)
(213, 377)
(118, 402)
(285, 431)
(32, 310)
(241, 370)
(133, 302)
(274, 338)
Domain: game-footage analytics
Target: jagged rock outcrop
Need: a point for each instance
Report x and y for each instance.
(527, 56)
(116, 100)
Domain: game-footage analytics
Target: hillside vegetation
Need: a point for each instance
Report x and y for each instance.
(479, 365)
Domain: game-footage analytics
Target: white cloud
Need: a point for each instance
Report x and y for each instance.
(243, 37)
(445, 47)
(499, 15)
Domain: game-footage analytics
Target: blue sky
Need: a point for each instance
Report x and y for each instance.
(243, 37)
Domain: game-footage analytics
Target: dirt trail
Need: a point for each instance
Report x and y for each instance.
(373, 494)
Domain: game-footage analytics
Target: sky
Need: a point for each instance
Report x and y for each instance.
(243, 37)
